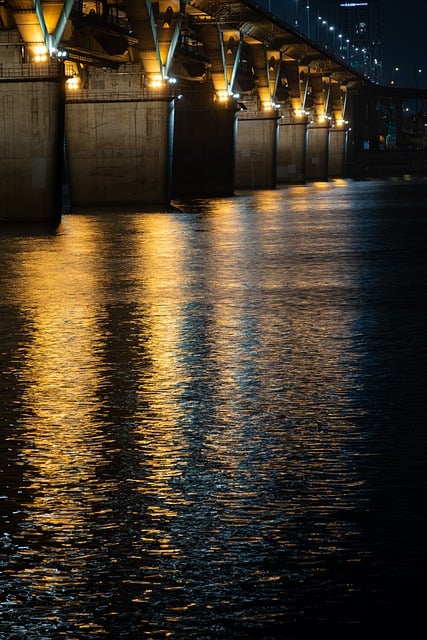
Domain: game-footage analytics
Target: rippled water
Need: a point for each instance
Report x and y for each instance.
(212, 417)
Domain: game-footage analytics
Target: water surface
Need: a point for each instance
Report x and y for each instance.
(212, 417)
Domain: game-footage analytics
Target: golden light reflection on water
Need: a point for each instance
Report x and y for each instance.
(227, 267)
(64, 441)
(182, 377)
(61, 440)
(161, 252)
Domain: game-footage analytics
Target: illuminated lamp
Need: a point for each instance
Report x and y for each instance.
(73, 83)
(40, 53)
(156, 81)
(222, 96)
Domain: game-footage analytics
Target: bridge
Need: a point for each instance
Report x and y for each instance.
(134, 102)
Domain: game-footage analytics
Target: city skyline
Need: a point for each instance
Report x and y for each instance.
(404, 57)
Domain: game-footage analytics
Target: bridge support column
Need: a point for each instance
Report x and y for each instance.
(204, 147)
(119, 143)
(337, 147)
(316, 165)
(256, 151)
(291, 152)
(31, 142)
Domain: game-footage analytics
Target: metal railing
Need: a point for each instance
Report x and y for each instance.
(105, 96)
(29, 70)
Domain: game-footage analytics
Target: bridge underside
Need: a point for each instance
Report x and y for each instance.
(261, 103)
(226, 48)
(230, 50)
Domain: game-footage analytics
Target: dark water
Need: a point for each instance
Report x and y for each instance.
(212, 418)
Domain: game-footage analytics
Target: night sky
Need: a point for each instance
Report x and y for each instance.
(405, 34)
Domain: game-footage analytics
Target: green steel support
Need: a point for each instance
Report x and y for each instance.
(52, 40)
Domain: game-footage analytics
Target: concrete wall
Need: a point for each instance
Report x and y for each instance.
(291, 152)
(31, 142)
(256, 152)
(204, 148)
(316, 166)
(119, 151)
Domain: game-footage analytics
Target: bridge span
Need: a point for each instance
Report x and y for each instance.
(136, 102)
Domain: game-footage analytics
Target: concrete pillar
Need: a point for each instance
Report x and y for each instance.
(119, 150)
(291, 152)
(316, 165)
(31, 142)
(204, 148)
(337, 145)
(358, 116)
(256, 151)
(398, 110)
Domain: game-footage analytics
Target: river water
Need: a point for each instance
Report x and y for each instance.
(213, 418)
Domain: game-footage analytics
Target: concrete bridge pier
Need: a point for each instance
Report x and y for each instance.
(291, 151)
(337, 150)
(204, 148)
(316, 166)
(31, 142)
(256, 151)
(119, 141)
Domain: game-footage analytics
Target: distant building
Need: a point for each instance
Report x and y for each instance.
(359, 34)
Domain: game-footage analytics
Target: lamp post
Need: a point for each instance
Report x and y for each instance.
(332, 31)
(321, 22)
(340, 43)
(307, 6)
(416, 74)
(393, 79)
(319, 18)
